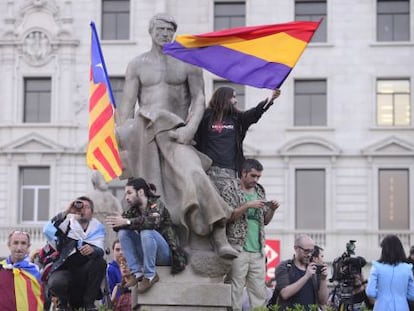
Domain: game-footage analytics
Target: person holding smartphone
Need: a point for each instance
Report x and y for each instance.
(251, 212)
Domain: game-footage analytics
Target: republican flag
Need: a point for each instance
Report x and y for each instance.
(102, 153)
(19, 290)
(259, 56)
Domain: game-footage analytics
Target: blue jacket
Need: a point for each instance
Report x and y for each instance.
(391, 286)
(113, 275)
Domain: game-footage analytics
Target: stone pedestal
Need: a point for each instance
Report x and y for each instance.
(184, 291)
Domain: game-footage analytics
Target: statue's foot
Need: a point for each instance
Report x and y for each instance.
(227, 252)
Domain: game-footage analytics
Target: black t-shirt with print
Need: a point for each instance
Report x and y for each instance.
(221, 149)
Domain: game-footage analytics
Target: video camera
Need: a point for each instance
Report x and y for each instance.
(344, 270)
(347, 265)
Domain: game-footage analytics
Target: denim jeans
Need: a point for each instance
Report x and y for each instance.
(143, 250)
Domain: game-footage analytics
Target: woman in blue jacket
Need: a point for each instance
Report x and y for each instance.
(391, 280)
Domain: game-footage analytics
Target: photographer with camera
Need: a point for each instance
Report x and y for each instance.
(77, 272)
(349, 291)
(299, 281)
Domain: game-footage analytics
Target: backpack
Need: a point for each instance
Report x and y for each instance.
(47, 256)
(273, 300)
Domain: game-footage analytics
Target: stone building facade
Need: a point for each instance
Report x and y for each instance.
(337, 147)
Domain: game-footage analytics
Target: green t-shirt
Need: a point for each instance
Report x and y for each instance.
(252, 242)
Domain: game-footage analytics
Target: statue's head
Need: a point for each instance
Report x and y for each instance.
(98, 181)
(162, 17)
(162, 28)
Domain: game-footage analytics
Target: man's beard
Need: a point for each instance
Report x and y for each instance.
(137, 204)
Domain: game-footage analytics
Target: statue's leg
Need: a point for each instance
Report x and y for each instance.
(198, 225)
(222, 245)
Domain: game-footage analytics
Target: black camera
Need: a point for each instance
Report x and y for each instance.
(78, 204)
(319, 269)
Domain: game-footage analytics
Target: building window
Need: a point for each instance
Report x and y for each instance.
(37, 100)
(393, 103)
(393, 20)
(394, 199)
(34, 194)
(240, 91)
(310, 199)
(310, 103)
(115, 19)
(313, 10)
(229, 15)
(117, 84)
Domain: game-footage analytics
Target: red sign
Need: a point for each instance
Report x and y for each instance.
(272, 250)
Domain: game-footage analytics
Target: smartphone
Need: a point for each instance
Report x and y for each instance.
(268, 203)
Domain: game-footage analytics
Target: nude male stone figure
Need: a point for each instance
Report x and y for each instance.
(156, 138)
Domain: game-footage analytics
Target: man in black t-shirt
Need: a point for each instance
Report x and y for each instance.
(296, 279)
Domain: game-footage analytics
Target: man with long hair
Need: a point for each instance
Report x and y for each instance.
(222, 130)
(147, 235)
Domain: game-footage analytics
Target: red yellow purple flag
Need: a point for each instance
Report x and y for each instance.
(19, 290)
(102, 153)
(259, 56)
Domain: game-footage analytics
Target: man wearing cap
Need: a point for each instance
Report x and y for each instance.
(78, 271)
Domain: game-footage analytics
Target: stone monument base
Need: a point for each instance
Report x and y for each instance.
(184, 291)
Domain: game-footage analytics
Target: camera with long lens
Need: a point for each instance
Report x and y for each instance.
(344, 270)
(78, 204)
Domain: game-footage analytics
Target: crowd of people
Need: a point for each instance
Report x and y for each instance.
(77, 276)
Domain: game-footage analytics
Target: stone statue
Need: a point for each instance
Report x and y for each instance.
(155, 140)
(105, 203)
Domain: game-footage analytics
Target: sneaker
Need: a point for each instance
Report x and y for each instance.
(133, 280)
(146, 284)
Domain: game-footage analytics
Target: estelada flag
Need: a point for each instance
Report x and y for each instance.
(19, 290)
(259, 56)
(102, 153)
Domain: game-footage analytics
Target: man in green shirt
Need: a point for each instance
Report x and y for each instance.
(245, 231)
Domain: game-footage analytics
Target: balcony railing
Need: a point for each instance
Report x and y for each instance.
(334, 242)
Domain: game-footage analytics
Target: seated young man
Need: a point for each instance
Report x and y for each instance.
(147, 235)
